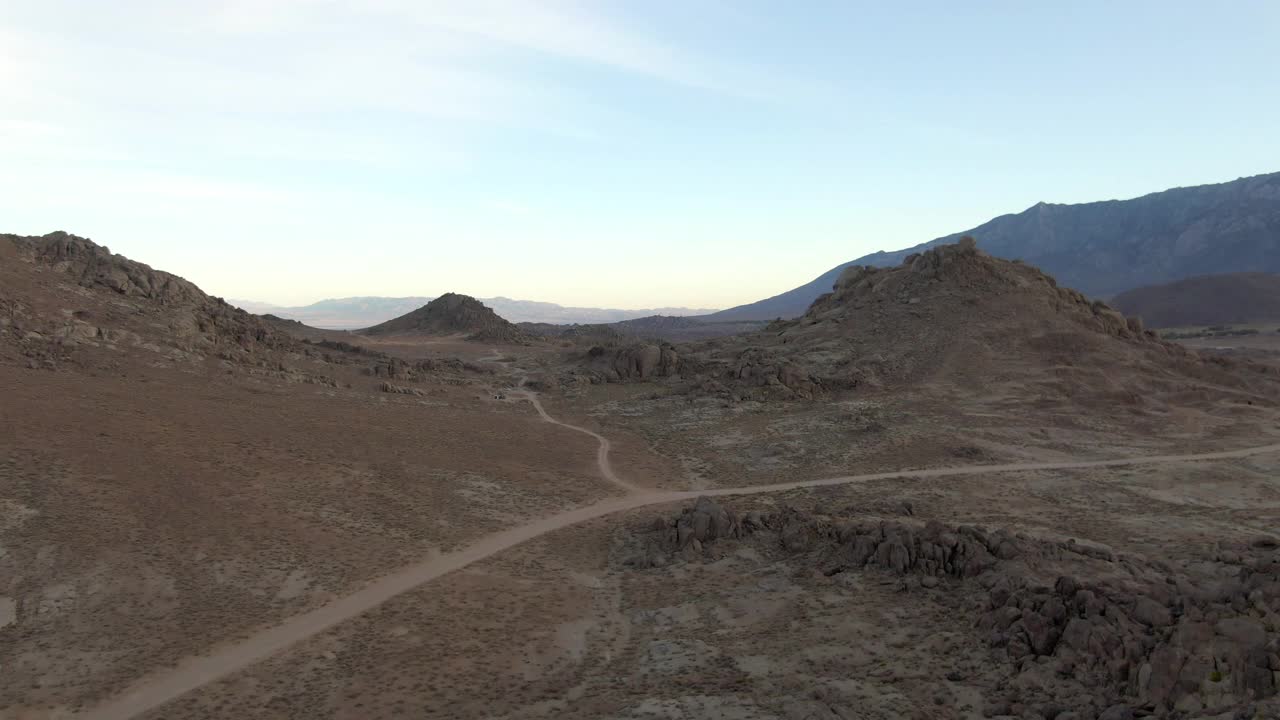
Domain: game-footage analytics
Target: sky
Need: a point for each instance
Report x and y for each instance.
(700, 153)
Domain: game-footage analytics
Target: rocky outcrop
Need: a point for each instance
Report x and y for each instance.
(756, 369)
(197, 322)
(95, 266)
(640, 361)
(1176, 647)
(71, 297)
(1136, 636)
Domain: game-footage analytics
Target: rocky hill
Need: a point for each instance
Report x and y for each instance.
(62, 297)
(453, 314)
(1229, 298)
(957, 321)
(1103, 248)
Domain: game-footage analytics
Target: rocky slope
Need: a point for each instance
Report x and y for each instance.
(64, 299)
(1103, 248)
(1226, 299)
(453, 314)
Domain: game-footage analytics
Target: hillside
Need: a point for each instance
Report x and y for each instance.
(453, 314)
(1225, 299)
(1103, 248)
(66, 301)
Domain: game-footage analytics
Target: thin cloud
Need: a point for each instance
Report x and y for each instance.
(584, 33)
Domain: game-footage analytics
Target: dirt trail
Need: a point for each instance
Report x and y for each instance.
(171, 683)
(602, 451)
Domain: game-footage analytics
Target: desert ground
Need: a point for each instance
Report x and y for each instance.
(224, 521)
(555, 619)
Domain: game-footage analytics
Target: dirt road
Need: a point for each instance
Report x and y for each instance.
(171, 683)
(602, 451)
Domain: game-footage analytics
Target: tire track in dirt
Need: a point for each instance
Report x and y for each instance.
(195, 672)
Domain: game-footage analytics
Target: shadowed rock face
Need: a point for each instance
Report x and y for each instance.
(1119, 634)
(452, 314)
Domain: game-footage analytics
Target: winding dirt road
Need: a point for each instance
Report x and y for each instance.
(170, 683)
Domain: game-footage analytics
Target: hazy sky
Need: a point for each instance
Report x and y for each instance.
(634, 154)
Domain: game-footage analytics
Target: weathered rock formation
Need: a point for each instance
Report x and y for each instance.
(185, 322)
(1130, 636)
(640, 361)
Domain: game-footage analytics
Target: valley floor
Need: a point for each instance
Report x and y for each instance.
(143, 531)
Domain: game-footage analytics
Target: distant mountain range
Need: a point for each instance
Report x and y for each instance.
(1103, 248)
(361, 312)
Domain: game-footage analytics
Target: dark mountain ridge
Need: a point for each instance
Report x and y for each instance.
(1103, 248)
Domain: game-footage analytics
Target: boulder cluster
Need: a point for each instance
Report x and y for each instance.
(637, 361)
